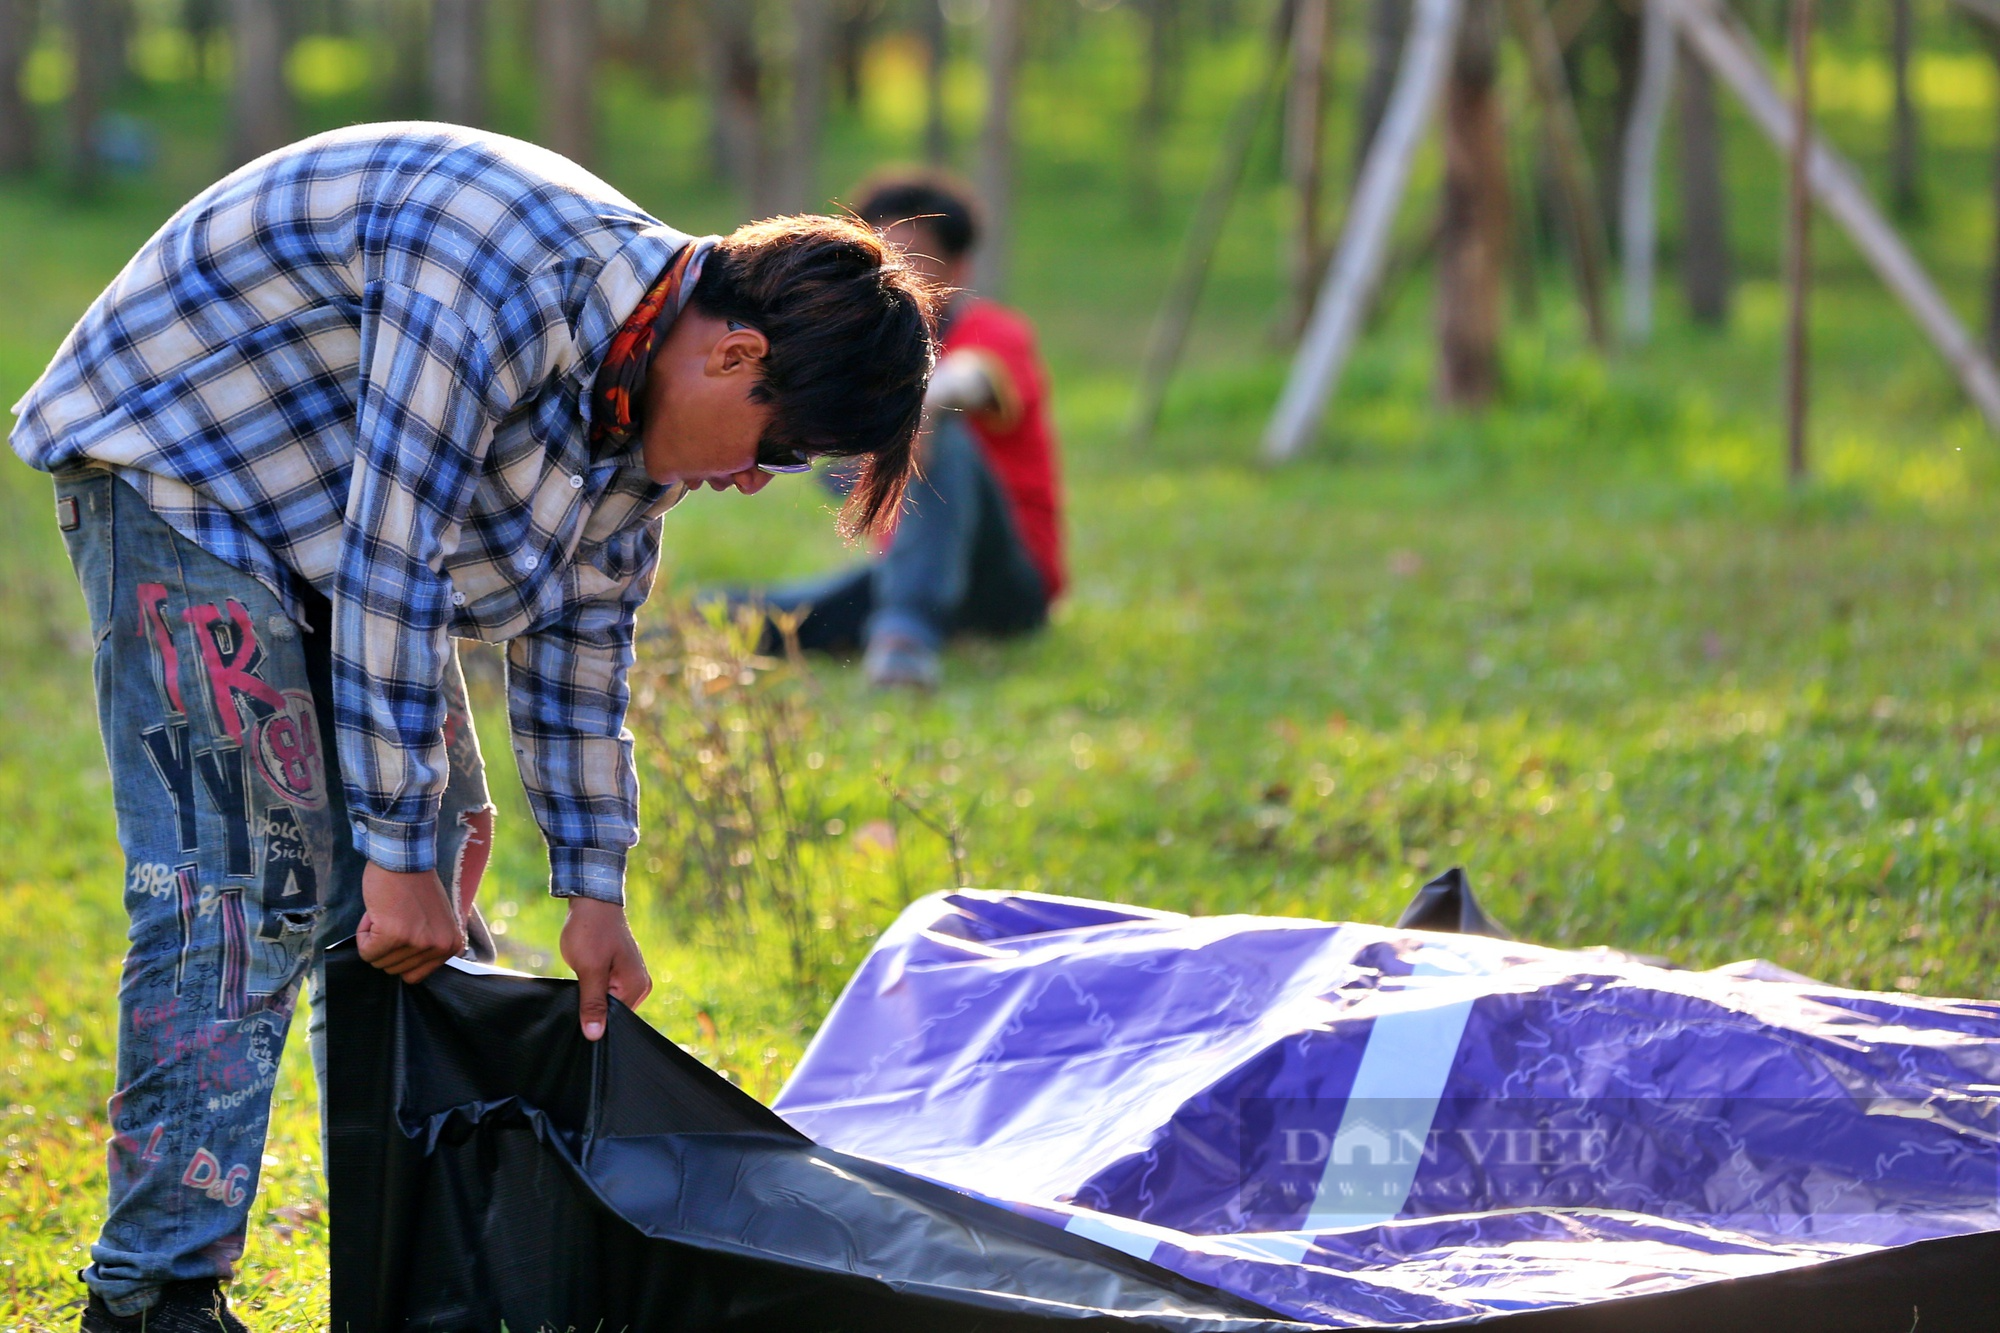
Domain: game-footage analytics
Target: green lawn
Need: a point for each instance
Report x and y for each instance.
(1588, 646)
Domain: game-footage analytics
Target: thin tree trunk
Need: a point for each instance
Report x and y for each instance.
(1155, 105)
(1638, 219)
(1170, 326)
(852, 30)
(1624, 42)
(87, 93)
(458, 60)
(812, 40)
(1571, 161)
(1352, 277)
(1472, 224)
(119, 24)
(1993, 277)
(738, 140)
(1705, 256)
(1906, 146)
(1710, 34)
(996, 146)
(1569, 18)
(1798, 242)
(1313, 26)
(261, 104)
(1388, 25)
(406, 29)
(566, 59)
(17, 120)
(202, 19)
(663, 42)
(937, 131)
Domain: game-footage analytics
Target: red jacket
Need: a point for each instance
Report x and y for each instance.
(1018, 441)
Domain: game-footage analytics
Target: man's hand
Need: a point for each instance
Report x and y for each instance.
(599, 948)
(410, 926)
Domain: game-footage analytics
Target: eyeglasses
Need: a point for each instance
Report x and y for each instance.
(783, 462)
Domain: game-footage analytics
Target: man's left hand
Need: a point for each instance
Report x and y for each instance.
(598, 946)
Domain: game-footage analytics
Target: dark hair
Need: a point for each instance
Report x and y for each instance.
(852, 333)
(928, 199)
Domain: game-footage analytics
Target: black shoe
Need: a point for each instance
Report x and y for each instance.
(196, 1306)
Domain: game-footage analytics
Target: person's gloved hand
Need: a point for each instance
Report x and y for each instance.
(410, 926)
(599, 948)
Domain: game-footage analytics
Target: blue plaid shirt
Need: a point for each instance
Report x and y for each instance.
(363, 364)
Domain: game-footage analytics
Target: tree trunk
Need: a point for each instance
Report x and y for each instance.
(1170, 327)
(852, 30)
(1638, 215)
(17, 120)
(1313, 26)
(1624, 39)
(737, 138)
(1706, 268)
(1906, 146)
(996, 146)
(202, 19)
(1993, 278)
(812, 39)
(663, 43)
(405, 26)
(1388, 23)
(1472, 226)
(87, 92)
(937, 131)
(1155, 106)
(566, 59)
(1355, 273)
(458, 61)
(261, 103)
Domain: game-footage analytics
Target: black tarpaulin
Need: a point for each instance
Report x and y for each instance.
(486, 1165)
(489, 1167)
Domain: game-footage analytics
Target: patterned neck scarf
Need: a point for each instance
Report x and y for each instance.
(619, 391)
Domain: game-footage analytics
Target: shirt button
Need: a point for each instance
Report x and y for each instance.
(360, 826)
(576, 483)
(531, 561)
(458, 599)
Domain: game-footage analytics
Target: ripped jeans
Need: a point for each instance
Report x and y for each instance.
(216, 713)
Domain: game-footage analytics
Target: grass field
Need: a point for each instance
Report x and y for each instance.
(1588, 645)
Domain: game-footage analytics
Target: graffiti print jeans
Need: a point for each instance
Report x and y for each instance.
(216, 716)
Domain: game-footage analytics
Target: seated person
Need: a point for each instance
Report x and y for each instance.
(978, 545)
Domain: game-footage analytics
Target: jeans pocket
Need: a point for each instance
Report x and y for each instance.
(83, 513)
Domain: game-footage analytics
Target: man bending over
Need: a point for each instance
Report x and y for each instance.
(387, 387)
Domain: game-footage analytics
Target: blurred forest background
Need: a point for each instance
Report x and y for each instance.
(1543, 593)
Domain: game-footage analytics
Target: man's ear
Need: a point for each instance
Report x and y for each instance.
(736, 351)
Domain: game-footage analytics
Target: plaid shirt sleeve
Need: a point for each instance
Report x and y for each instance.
(423, 422)
(567, 695)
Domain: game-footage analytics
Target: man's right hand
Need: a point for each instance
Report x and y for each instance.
(410, 926)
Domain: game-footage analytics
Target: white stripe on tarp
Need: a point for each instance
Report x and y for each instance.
(1107, 1230)
(1396, 1090)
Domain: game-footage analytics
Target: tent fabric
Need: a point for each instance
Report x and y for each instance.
(1365, 1125)
(488, 1167)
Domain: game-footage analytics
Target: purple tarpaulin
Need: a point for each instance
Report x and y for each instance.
(1360, 1124)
